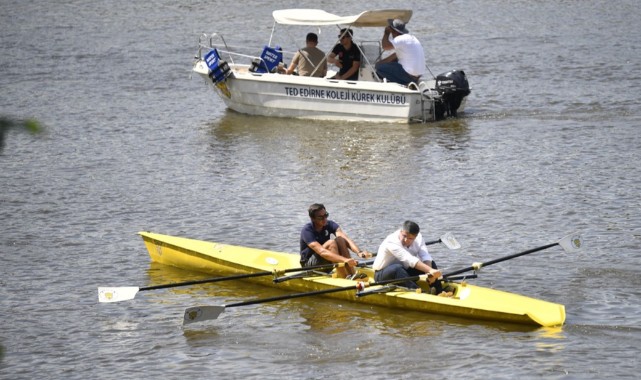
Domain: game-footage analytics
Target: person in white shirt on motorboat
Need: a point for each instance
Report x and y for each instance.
(407, 64)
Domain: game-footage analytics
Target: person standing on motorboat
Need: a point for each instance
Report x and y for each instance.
(407, 64)
(404, 254)
(310, 60)
(318, 248)
(346, 56)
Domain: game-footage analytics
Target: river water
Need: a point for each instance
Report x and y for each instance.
(549, 145)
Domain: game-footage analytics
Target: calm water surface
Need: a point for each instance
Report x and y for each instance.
(549, 145)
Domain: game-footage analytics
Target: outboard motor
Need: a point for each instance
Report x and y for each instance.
(453, 88)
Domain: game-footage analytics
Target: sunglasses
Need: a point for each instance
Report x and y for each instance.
(321, 217)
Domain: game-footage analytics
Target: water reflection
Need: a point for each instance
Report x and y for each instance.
(233, 127)
(451, 134)
(352, 153)
(550, 339)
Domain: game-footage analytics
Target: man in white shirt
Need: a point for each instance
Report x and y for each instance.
(407, 64)
(404, 254)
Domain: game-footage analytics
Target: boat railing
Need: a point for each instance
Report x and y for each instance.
(207, 42)
(428, 101)
(371, 52)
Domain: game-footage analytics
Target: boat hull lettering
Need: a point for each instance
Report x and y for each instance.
(355, 96)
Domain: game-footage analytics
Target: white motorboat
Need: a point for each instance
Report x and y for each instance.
(251, 84)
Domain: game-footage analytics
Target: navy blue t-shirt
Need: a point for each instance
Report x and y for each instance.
(347, 57)
(309, 235)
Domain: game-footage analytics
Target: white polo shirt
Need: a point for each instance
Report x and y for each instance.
(392, 251)
(410, 53)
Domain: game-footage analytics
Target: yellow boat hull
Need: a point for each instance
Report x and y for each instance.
(469, 301)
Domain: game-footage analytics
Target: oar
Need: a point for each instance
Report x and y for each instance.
(448, 240)
(569, 243)
(123, 293)
(203, 313)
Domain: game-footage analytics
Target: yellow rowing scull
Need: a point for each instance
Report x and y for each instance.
(468, 301)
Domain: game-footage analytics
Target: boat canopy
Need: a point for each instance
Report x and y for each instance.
(376, 18)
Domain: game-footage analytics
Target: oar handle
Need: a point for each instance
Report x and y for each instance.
(432, 242)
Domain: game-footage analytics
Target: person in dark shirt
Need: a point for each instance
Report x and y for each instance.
(318, 248)
(346, 56)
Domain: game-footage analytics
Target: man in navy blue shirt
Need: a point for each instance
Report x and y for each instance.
(318, 248)
(346, 56)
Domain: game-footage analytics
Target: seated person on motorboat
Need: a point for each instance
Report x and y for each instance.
(407, 64)
(310, 60)
(346, 56)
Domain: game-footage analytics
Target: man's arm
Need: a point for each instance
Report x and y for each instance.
(389, 58)
(293, 65)
(434, 274)
(385, 42)
(351, 245)
(352, 70)
(332, 60)
(326, 253)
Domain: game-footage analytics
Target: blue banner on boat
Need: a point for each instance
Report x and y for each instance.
(219, 68)
(269, 60)
(212, 58)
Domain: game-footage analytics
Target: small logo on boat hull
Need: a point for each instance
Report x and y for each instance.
(271, 261)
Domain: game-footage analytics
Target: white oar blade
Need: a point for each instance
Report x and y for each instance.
(106, 294)
(202, 313)
(572, 242)
(450, 241)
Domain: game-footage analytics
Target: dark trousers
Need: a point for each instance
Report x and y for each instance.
(394, 271)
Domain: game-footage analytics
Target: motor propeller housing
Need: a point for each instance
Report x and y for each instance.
(453, 88)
